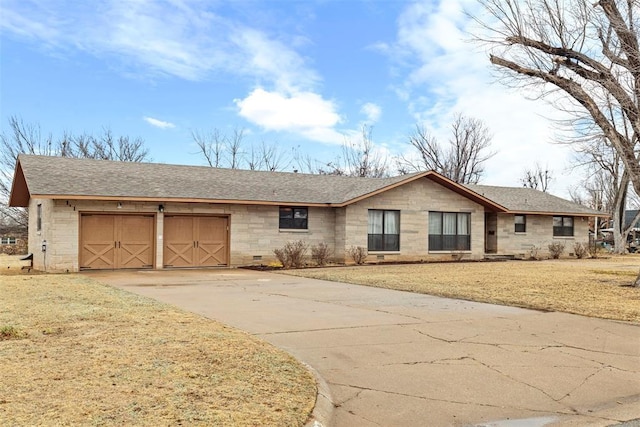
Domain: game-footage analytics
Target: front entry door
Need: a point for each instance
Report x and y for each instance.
(491, 232)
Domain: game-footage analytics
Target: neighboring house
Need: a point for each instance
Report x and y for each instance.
(633, 239)
(97, 214)
(13, 240)
(629, 215)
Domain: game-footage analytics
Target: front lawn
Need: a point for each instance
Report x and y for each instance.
(75, 352)
(590, 287)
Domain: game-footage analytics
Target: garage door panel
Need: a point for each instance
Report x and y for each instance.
(178, 241)
(135, 241)
(116, 241)
(98, 255)
(178, 254)
(178, 229)
(195, 241)
(98, 246)
(212, 254)
(212, 241)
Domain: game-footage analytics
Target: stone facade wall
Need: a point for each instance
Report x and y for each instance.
(254, 231)
(340, 234)
(414, 201)
(539, 233)
(49, 231)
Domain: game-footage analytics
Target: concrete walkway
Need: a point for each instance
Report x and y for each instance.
(394, 358)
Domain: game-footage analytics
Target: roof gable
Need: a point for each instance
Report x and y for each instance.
(19, 195)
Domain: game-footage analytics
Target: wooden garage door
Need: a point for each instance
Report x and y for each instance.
(196, 241)
(116, 241)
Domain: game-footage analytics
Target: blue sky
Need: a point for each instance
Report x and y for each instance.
(302, 74)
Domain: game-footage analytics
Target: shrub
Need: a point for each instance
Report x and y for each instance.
(556, 249)
(320, 253)
(292, 254)
(358, 254)
(580, 249)
(533, 252)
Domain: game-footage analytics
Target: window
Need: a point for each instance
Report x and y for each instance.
(293, 218)
(8, 240)
(521, 223)
(384, 230)
(39, 218)
(449, 231)
(563, 226)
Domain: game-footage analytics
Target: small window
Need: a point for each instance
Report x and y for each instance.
(449, 231)
(563, 226)
(39, 218)
(384, 231)
(294, 218)
(521, 223)
(8, 240)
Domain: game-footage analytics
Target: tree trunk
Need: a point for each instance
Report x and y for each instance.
(636, 284)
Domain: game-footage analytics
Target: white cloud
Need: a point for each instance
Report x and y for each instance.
(304, 113)
(158, 123)
(273, 61)
(445, 74)
(188, 40)
(183, 39)
(371, 111)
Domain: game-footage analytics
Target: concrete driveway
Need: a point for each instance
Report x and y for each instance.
(394, 358)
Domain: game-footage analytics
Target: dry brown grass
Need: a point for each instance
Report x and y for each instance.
(590, 287)
(75, 352)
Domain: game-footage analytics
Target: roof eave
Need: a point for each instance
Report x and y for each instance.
(175, 200)
(525, 212)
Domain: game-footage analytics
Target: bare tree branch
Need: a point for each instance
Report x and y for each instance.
(28, 139)
(463, 158)
(590, 52)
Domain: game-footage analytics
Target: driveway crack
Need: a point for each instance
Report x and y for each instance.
(460, 402)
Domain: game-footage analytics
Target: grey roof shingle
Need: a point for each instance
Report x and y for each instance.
(64, 177)
(51, 176)
(529, 200)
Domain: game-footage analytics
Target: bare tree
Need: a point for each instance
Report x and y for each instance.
(538, 178)
(221, 150)
(588, 53)
(361, 158)
(234, 143)
(267, 157)
(608, 181)
(28, 138)
(227, 151)
(461, 161)
(358, 158)
(212, 146)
